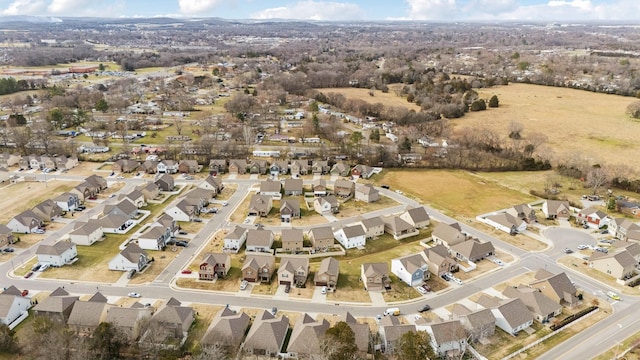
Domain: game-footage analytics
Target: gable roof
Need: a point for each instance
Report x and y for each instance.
(372, 222)
(321, 232)
(259, 237)
(472, 249)
(373, 269)
(236, 233)
(291, 235)
(448, 331)
(270, 186)
(329, 265)
(353, 231)
(480, 318)
(535, 301)
(292, 265)
(397, 224)
(227, 327)
(559, 284)
(307, 334)
(451, 233)
(291, 206)
(515, 312)
(293, 185)
(56, 249)
(267, 332)
(132, 253)
(418, 214)
(413, 262)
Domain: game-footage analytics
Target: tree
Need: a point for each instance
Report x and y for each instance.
(212, 352)
(102, 105)
(107, 341)
(56, 117)
(356, 137)
(493, 102)
(405, 145)
(633, 110)
(101, 67)
(415, 345)
(596, 178)
(375, 135)
(478, 105)
(339, 343)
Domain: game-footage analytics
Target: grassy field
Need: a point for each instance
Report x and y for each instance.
(16, 198)
(388, 99)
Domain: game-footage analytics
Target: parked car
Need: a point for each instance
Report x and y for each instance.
(186, 271)
(36, 267)
(44, 267)
(38, 231)
(197, 220)
(582, 247)
(134, 295)
(28, 275)
(274, 311)
(426, 287)
(25, 292)
(602, 250)
(605, 231)
(613, 295)
(385, 186)
(182, 243)
(80, 207)
(182, 232)
(8, 250)
(421, 290)
(323, 290)
(287, 288)
(244, 284)
(498, 262)
(447, 276)
(424, 308)
(567, 251)
(457, 281)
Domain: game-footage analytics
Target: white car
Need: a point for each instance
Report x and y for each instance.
(421, 290)
(498, 262)
(43, 267)
(457, 281)
(244, 284)
(582, 247)
(399, 192)
(323, 290)
(134, 295)
(38, 231)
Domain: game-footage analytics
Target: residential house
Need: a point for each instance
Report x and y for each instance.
(66, 163)
(85, 316)
(340, 169)
(361, 172)
(299, 167)
(543, 308)
(473, 250)
(169, 223)
(279, 167)
(228, 329)
(7, 160)
(214, 266)
(175, 321)
(351, 236)
(58, 254)
(628, 207)
(367, 193)
(267, 335)
(7, 237)
(131, 258)
(67, 201)
(136, 197)
(258, 166)
(624, 229)
(86, 233)
(439, 260)
(167, 167)
(259, 240)
(154, 238)
(344, 188)
(234, 240)
(390, 331)
(480, 324)
(47, 210)
(260, 205)
(237, 166)
(149, 190)
(558, 287)
(213, 184)
(47, 162)
(448, 234)
(511, 315)
(115, 224)
(292, 187)
(327, 274)
(184, 210)
(292, 240)
(592, 217)
(411, 269)
(448, 338)
(123, 208)
(258, 268)
(523, 212)
(125, 165)
(271, 188)
(25, 222)
(621, 264)
(188, 166)
(361, 332)
(148, 167)
(319, 188)
(398, 228)
(13, 307)
(201, 196)
(165, 182)
(293, 271)
(84, 191)
(4, 174)
(217, 166)
(97, 181)
(375, 276)
(321, 237)
(289, 210)
(32, 162)
(373, 227)
(556, 209)
(416, 216)
(307, 336)
(129, 321)
(57, 306)
(320, 167)
(326, 205)
(507, 223)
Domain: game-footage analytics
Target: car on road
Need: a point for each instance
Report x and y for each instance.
(424, 308)
(323, 290)
(28, 275)
(399, 192)
(8, 250)
(246, 221)
(567, 251)
(613, 295)
(378, 318)
(385, 186)
(186, 271)
(224, 203)
(133, 295)
(244, 284)
(120, 177)
(582, 247)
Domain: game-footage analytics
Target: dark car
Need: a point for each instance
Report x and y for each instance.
(197, 220)
(171, 242)
(568, 251)
(36, 267)
(287, 289)
(8, 250)
(424, 308)
(182, 243)
(28, 275)
(385, 186)
(182, 232)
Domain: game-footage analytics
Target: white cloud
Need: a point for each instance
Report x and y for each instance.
(312, 10)
(432, 9)
(25, 7)
(68, 7)
(198, 7)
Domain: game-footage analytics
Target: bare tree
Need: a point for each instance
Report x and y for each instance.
(596, 178)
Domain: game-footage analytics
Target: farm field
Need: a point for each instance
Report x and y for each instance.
(388, 99)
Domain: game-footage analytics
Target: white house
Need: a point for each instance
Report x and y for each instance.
(131, 258)
(411, 269)
(448, 337)
(67, 201)
(507, 223)
(13, 306)
(351, 236)
(58, 254)
(182, 210)
(115, 224)
(154, 238)
(25, 222)
(86, 234)
(234, 240)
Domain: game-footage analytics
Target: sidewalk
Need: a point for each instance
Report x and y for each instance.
(377, 299)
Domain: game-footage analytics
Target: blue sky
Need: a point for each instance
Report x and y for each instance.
(436, 10)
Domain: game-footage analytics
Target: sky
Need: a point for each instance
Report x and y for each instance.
(337, 10)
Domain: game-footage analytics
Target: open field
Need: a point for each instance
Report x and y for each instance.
(16, 198)
(575, 121)
(388, 99)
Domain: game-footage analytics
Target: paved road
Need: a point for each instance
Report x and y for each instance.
(587, 344)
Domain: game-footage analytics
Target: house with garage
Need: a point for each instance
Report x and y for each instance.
(129, 321)
(84, 191)
(307, 336)
(259, 240)
(375, 276)
(7, 237)
(299, 167)
(25, 222)
(319, 187)
(13, 307)
(217, 166)
(149, 190)
(47, 210)
(7, 160)
(523, 212)
(350, 236)
(136, 197)
(326, 205)
(66, 163)
(557, 287)
(439, 260)
(165, 182)
(188, 166)
(340, 169)
(624, 229)
(167, 167)
(67, 201)
(361, 172)
(327, 274)
(292, 240)
(344, 188)
(86, 233)
(125, 165)
(154, 238)
(398, 228)
(57, 306)
(289, 210)
(279, 167)
(412, 269)
(472, 250)
(321, 237)
(592, 217)
(416, 216)
(260, 205)
(367, 193)
(258, 166)
(234, 239)
(58, 254)
(480, 324)
(131, 258)
(213, 184)
(271, 188)
(86, 316)
(556, 209)
(390, 331)
(541, 307)
(123, 208)
(258, 268)
(267, 335)
(507, 223)
(448, 338)
(115, 224)
(620, 264)
(175, 321)
(292, 187)
(320, 167)
(373, 227)
(214, 266)
(448, 234)
(97, 181)
(511, 315)
(237, 166)
(148, 166)
(200, 196)
(183, 210)
(293, 271)
(227, 329)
